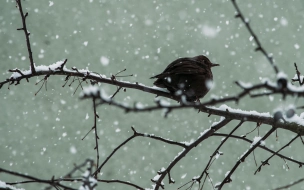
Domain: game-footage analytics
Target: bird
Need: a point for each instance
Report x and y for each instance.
(189, 76)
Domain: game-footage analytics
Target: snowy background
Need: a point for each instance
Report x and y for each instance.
(41, 135)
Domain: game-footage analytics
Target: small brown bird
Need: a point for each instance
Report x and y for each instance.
(189, 76)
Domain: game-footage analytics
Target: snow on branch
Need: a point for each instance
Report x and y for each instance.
(294, 124)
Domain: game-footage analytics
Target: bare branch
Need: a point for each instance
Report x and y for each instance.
(227, 179)
(137, 134)
(96, 133)
(216, 152)
(204, 136)
(260, 146)
(122, 182)
(257, 41)
(70, 174)
(27, 34)
(231, 113)
(298, 75)
(117, 148)
(290, 185)
(51, 182)
(266, 162)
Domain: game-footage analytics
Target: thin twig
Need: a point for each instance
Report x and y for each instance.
(96, 133)
(290, 185)
(257, 41)
(118, 89)
(52, 182)
(260, 146)
(69, 174)
(207, 134)
(137, 134)
(227, 179)
(298, 75)
(27, 34)
(266, 162)
(122, 182)
(258, 124)
(216, 151)
(112, 153)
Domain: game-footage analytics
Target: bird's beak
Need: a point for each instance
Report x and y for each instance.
(214, 65)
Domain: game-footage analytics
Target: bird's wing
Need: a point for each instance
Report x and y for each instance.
(182, 66)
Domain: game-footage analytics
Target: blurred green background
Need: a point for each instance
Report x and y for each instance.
(41, 135)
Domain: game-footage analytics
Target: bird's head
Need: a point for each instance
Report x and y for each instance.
(203, 59)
